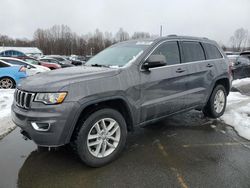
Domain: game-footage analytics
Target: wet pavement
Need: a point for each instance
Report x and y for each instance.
(183, 151)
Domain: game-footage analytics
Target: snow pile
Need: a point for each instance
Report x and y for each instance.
(6, 98)
(241, 82)
(237, 113)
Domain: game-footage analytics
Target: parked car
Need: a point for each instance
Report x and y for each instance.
(241, 67)
(31, 69)
(10, 75)
(129, 84)
(61, 59)
(51, 60)
(51, 66)
(245, 54)
(77, 60)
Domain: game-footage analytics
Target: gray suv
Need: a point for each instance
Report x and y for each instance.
(129, 84)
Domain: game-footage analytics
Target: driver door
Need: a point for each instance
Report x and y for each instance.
(163, 89)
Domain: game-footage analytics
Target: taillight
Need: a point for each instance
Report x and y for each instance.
(230, 70)
(22, 69)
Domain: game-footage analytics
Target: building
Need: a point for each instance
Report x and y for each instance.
(20, 51)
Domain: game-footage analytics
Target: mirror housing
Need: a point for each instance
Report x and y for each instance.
(154, 61)
(28, 67)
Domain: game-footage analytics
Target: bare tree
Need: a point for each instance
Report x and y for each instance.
(140, 35)
(122, 35)
(59, 39)
(239, 39)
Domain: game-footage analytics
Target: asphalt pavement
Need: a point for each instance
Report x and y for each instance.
(183, 151)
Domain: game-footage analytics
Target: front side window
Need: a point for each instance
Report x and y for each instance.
(212, 51)
(192, 51)
(170, 50)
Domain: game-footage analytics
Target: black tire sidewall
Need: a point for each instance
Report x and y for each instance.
(212, 111)
(82, 148)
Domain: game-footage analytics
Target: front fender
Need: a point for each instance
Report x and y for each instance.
(87, 101)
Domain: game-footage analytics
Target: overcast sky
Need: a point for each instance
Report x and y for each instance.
(215, 19)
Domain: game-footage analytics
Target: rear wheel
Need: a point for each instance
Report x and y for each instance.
(101, 138)
(7, 83)
(216, 104)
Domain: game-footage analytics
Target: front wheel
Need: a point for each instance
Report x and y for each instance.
(216, 104)
(101, 138)
(7, 83)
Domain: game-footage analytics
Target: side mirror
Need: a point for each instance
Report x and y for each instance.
(154, 61)
(28, 67)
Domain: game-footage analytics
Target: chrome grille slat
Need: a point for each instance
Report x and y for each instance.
(23, 99)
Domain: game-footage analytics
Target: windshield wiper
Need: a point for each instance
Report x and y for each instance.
(99, 65)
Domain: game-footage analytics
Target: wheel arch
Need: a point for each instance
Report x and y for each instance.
(221, 80)
(118, 103)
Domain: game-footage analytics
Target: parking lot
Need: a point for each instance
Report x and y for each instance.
(186, 150)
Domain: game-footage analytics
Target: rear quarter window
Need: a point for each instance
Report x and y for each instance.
(212, 51)
(192, 51)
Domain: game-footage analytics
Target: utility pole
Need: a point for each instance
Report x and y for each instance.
(161, 31)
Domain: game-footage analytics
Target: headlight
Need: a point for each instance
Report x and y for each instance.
(50, 98)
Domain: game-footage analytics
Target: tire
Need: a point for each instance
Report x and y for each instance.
(215, 109)
(7, 83)
(88, 135)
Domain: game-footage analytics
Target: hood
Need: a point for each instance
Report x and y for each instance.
(55, 80)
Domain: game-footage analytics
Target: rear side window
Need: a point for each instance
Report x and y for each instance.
(192, 51)
(3, 65)
(212, 51)
(170, 50)
(13, 62)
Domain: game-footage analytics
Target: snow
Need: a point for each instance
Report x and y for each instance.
(237, 113)
(241, 82)
(6, 98)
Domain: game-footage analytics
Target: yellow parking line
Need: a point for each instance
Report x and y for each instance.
(174, 170)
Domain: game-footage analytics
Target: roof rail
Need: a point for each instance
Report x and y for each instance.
(172, 35)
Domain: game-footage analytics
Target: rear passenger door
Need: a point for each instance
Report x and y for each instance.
(163, 89)
(201, 72)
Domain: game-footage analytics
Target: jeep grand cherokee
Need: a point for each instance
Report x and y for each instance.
(129, 84)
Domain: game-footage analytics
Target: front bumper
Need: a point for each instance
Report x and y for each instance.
(61, 119)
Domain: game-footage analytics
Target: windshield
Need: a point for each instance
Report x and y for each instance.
(117, 56)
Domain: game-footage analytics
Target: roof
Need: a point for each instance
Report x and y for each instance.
(25, 50)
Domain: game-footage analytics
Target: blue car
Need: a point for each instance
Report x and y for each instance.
(11, 75)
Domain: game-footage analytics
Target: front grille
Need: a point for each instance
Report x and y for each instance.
(23, 98)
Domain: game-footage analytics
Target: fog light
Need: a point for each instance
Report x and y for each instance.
(40, 126)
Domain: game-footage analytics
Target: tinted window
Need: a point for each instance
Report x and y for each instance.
(3, 64)
(192, 51)
(212, 51)
(11, 53)
(45, 60)
(170, 50)
(13, 62)
(58, 58)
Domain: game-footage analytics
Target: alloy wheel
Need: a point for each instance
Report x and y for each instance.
(104, 137)
(219, 101)
(6, 83)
